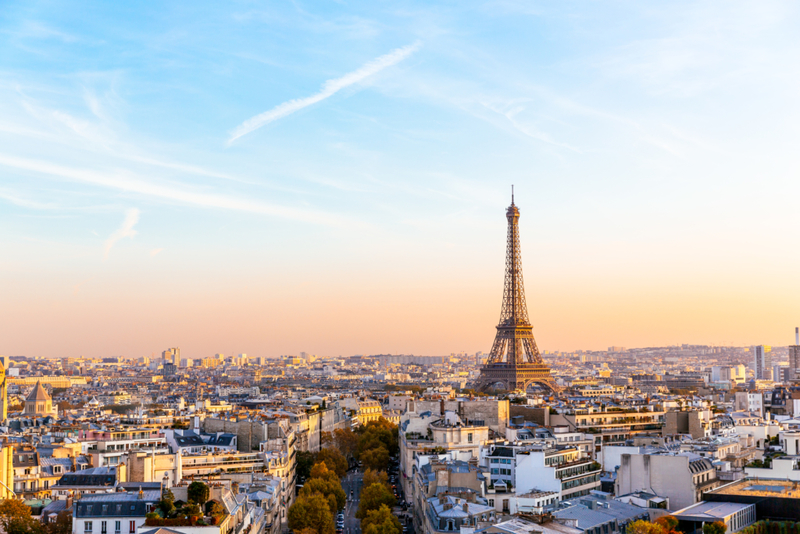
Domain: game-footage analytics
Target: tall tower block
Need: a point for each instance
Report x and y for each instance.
(3, 394)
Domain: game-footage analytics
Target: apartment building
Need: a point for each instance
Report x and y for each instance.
(425, 433)
(113, 513)
(612, 425)
(681, 477)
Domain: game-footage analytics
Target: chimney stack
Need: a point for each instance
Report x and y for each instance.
(797, 335)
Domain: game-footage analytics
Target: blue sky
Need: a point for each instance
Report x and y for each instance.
(255, 166)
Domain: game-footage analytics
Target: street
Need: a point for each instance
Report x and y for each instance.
(352, 482)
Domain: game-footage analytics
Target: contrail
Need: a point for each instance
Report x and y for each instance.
(329, 88)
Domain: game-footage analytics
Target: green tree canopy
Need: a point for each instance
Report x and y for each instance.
(380, 430)
(381, 521)
(15, 518)
(327, 487)
(334, 460)
(668, 522)
(305, 460)
(62, 524)
(346, 441)
(376, 459)
(311, 512)
(372, 476)
(372, 497)
(717, 527)
(644, 527)
(198, 492)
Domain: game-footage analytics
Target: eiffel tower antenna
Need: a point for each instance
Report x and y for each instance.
(514, 360)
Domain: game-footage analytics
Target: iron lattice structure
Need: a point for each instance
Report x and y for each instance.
(514, 361)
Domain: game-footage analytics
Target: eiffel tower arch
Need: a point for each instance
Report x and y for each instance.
(514, 361)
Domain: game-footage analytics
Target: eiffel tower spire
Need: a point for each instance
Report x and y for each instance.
(514, 359)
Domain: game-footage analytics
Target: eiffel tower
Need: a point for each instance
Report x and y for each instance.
(514, 361)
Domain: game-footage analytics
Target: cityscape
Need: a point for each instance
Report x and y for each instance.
(344, 194)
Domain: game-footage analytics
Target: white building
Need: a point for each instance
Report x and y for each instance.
(729, 373)
(113, 513)
(745, 401)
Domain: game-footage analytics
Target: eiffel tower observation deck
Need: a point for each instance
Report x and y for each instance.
(514, 362)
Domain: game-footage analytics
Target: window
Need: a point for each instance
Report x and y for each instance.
(87, 526)
(491, 502)
(133, 527)
(103, 526)
(469, 437)
(117, 527)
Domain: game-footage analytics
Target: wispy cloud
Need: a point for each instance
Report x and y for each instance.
(135, 184)
(126, 230)
(329, 88)
(155, 251)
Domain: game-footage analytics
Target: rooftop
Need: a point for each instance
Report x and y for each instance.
(711, 510)
(761, 488)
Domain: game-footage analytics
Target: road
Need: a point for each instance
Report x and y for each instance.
(352, 482)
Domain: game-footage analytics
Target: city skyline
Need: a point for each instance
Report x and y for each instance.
(334, 178)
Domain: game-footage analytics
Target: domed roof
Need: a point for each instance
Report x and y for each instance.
(38, 393)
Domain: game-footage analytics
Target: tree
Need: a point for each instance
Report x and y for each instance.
(375, 477)
(311, 512)
(334, 460)
(644, 527)
(167, 503)
(23, 525)
(717, 527)
(13, 508)
(198, 492)
(214, 509)
(377, 459)
(15, 518)
(62, 524)
(346, 441)
(305, 460)
(381, 521)
(668, 522)
(372, 497)
(380, 430)
(327, 487)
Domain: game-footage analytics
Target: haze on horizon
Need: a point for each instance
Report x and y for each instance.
(276, 178)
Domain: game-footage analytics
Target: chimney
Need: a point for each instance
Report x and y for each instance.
(797, 335)
(141, 494)
(465, 507)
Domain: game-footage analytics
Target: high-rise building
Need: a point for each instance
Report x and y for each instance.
(3, 394)
(514, 361)
(172, 355)
(794, 354)
(762, 362)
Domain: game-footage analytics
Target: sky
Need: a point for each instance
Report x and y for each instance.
(332, 177)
